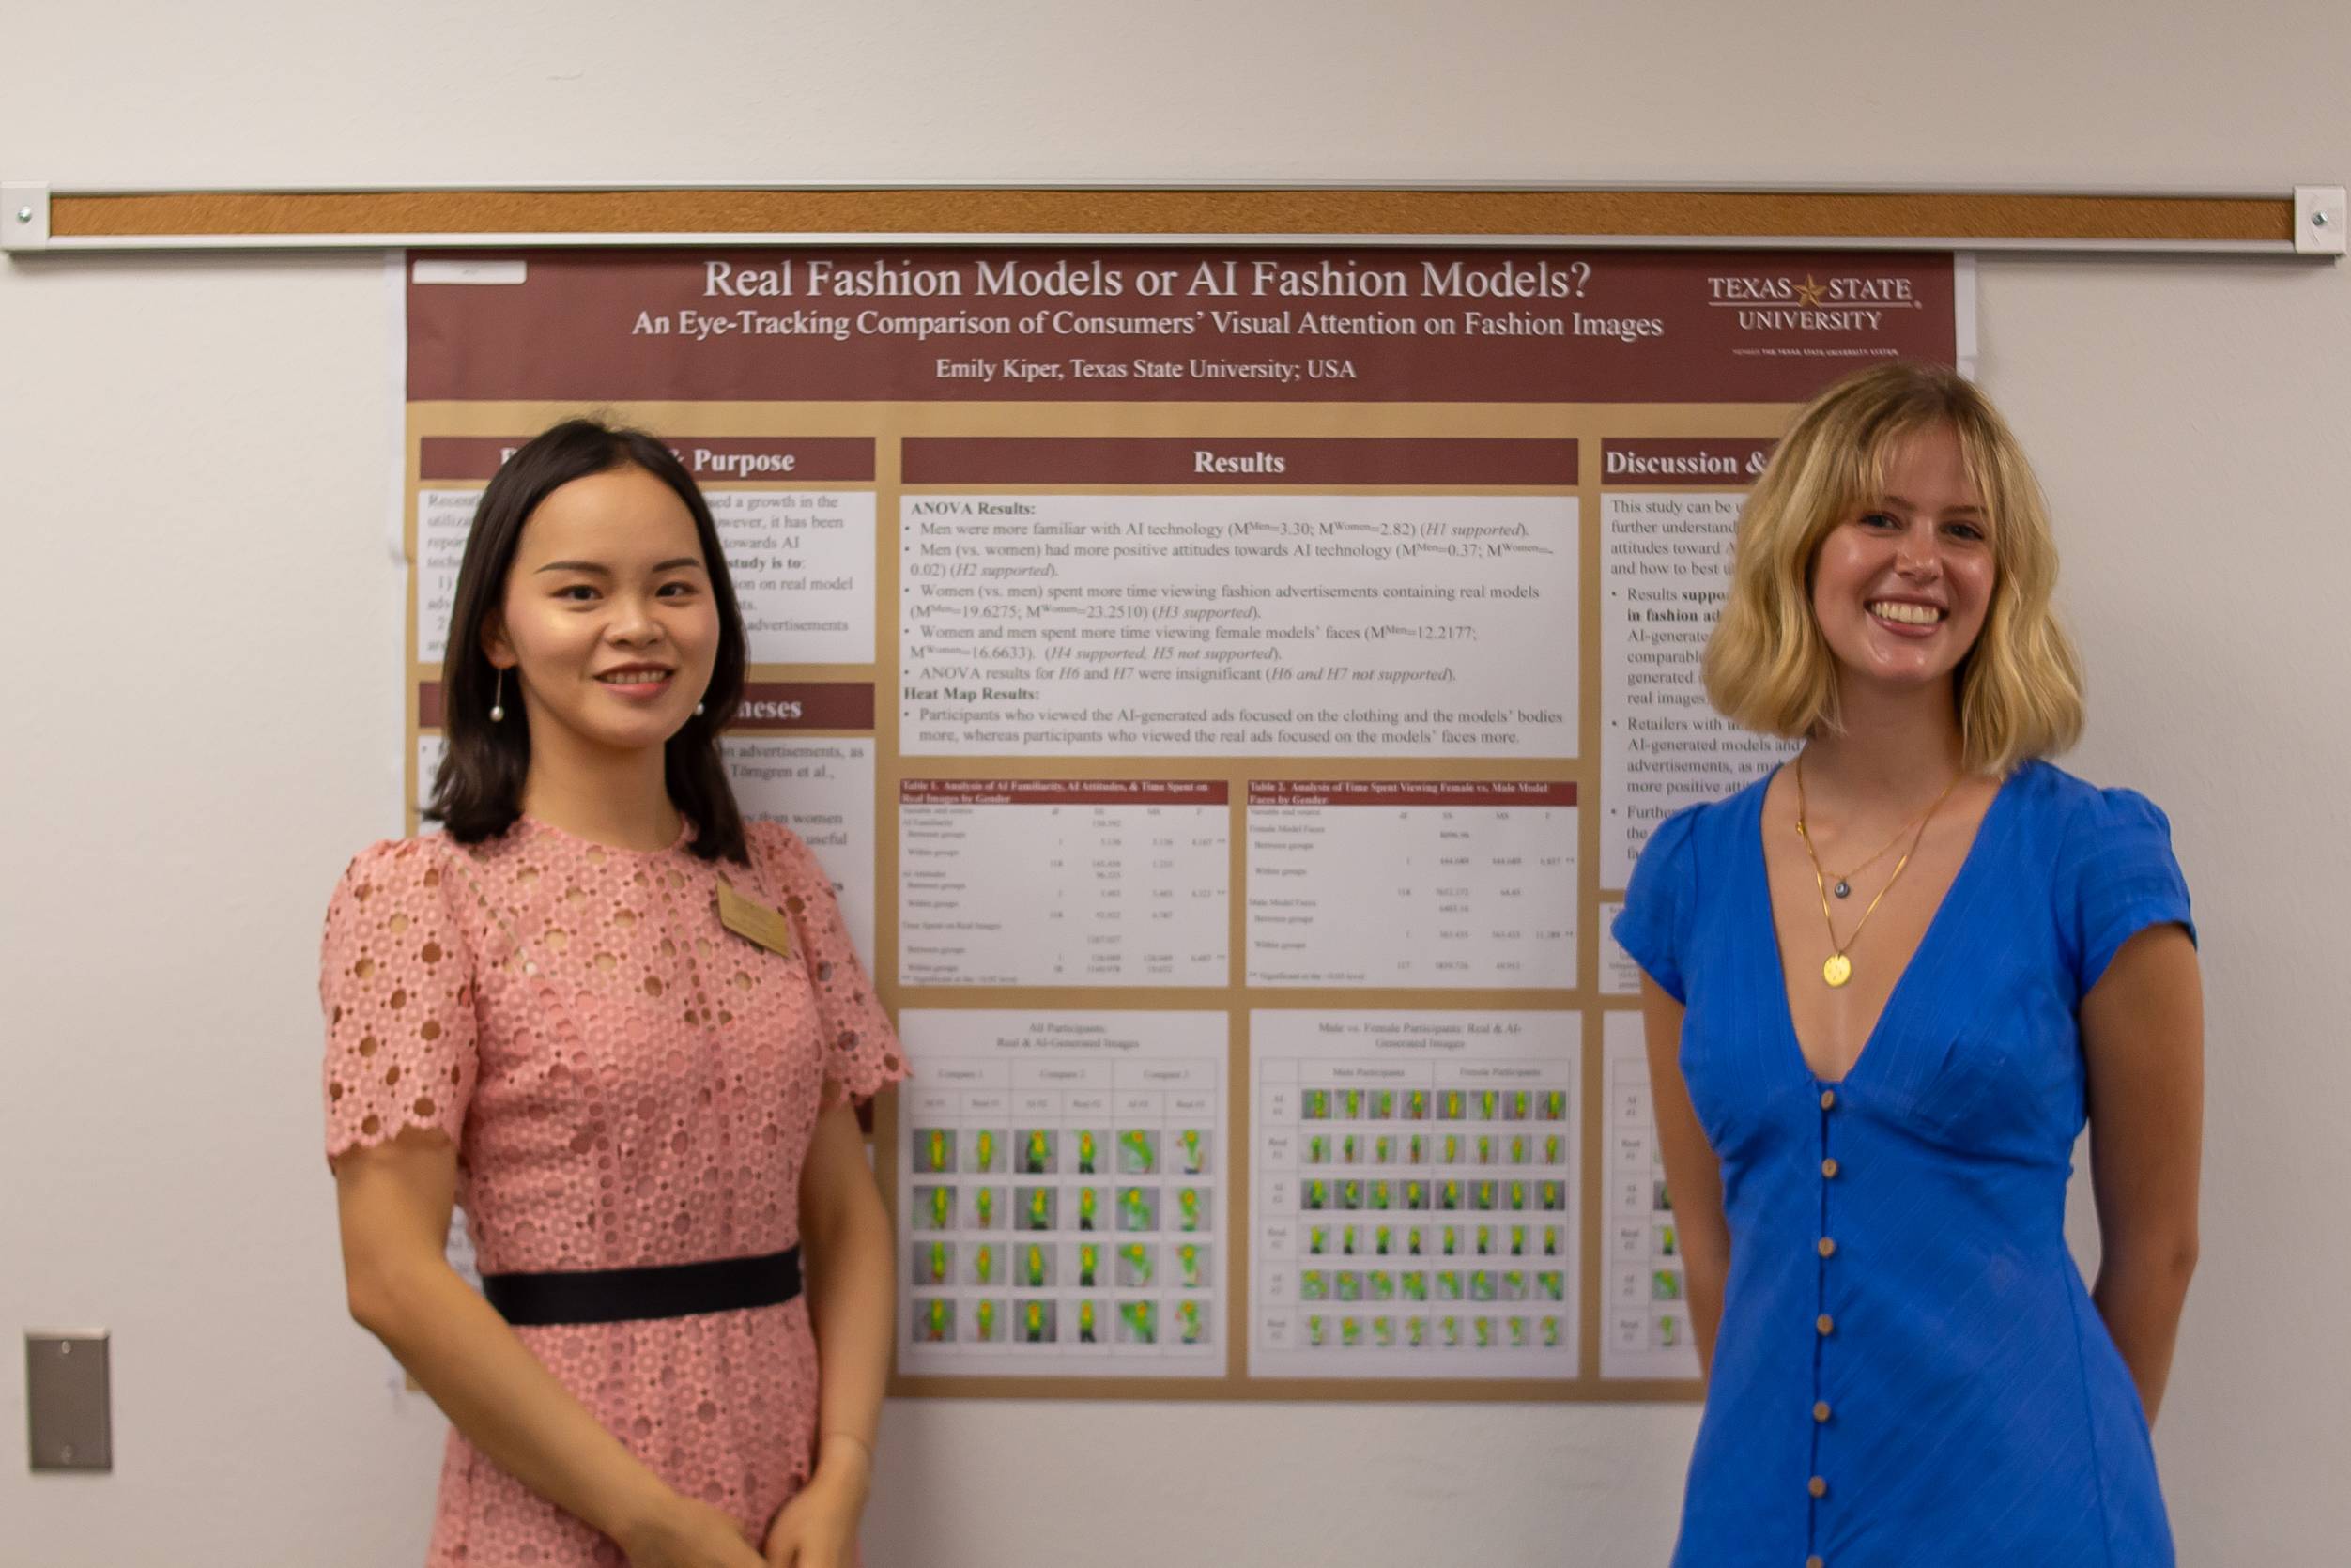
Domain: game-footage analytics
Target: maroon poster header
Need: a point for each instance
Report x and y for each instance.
(1061, 791)
(1145, 325)
(713, 460)
(1729, 460)
(1390, 793)
(1218, 460)
(768, 707)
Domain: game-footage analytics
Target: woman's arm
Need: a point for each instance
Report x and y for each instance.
(1692, 1175)
(846, 1239)
(394, 1201)
(2142, 1038)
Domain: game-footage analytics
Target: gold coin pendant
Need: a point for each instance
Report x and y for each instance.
(1838, 969)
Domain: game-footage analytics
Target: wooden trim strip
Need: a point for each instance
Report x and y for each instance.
(453, 216)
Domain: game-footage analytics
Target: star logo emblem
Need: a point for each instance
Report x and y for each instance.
(1809, 294)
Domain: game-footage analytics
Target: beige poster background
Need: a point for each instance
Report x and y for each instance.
(498, 363)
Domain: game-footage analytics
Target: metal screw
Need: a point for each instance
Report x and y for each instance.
(23, 214)
(65, 1347)
(2318, 220)
(65, 1455)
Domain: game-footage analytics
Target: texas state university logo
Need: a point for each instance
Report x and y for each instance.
(1857, 301)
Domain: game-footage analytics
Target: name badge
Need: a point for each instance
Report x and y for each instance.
(754, 921)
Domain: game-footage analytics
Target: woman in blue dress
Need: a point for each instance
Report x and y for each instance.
(1886, 986)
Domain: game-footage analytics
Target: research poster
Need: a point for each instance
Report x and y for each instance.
(1230, 689)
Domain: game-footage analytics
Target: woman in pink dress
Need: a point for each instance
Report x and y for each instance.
(624, 1028)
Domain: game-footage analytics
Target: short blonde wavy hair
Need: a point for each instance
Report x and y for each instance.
(1768, 668)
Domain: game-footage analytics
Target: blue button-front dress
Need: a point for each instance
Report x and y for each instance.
(1910, 1371)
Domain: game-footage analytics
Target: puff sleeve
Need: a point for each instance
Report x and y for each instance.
(395, 981)
(1653, 927)
(2115, 877)
(862, 1052)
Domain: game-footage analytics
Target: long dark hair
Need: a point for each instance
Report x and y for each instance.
(478, 792)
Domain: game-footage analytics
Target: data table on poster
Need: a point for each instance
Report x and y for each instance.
(1414, 1194)
(1646, 1332)
(1063, 883)
(1065, 1206)
(1451, 884)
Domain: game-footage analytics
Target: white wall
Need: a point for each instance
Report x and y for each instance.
(200, 633)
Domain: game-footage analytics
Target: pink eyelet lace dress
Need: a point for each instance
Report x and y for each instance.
(628, 1082)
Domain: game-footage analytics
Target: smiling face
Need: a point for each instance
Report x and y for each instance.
(608, 623)
(1900, 587)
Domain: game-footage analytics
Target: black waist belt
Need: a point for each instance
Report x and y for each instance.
(629, 1295)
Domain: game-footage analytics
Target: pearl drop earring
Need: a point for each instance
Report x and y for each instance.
(497, 701)
(698, 710)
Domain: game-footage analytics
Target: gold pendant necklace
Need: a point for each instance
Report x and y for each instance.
(1838, 968)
